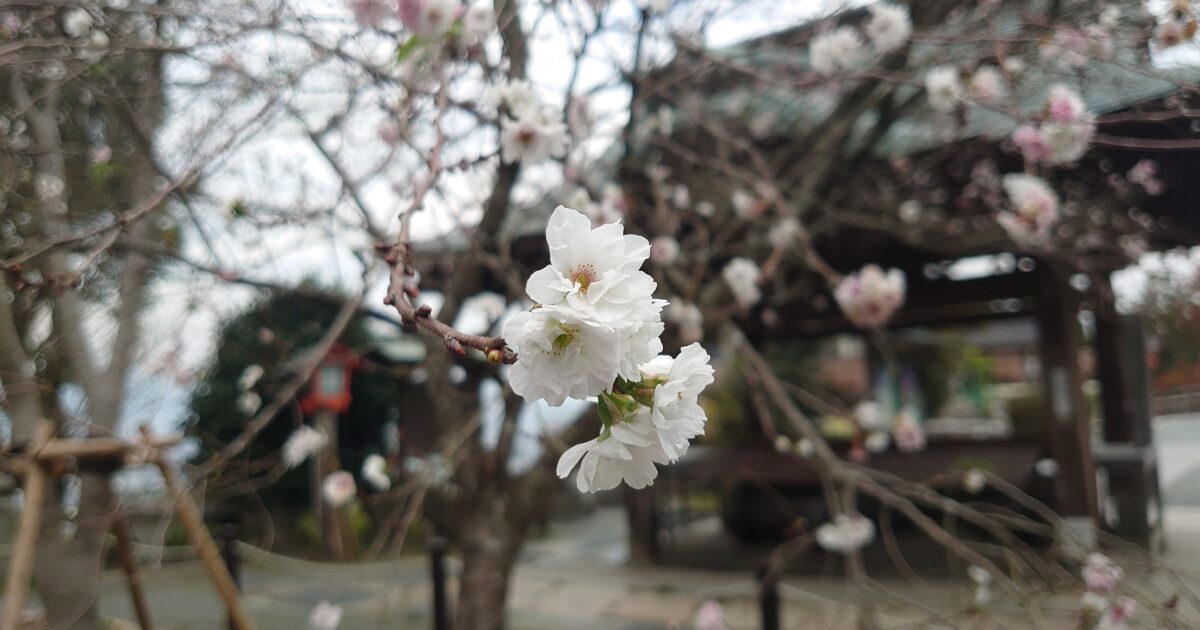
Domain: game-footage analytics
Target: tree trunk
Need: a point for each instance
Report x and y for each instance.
(489, 543)
(67, 568)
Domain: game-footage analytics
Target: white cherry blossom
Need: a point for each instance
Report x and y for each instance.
(785, 232)
(877, 442)
(249, 403)
(974, 481)
(869, 416)
(77, 22)
(742, 276)
(664, 250)
(532, 138)
(560, 355)
(870, 296)
(677, 414)
(836, 51)
(437, 16)
(478, 22)
(374, 470)
(302, 444)
(325, 616)
(987, 84)
(943, 88)
(1034, 207)
(518, 97)
(250, 377)
(845, 534)
(594, 271)
(889, 26)
(338, 488)
(909, 435)
(605, 462)
(1100, 573)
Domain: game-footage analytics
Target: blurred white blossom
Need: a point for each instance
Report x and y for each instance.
(742, 276)
(374, 470)
(845, 534)
(338, 488)
(302, 444)
(836, 51)
(889, 26)
(325, 616)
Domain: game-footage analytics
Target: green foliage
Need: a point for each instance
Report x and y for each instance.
(1030, 417)
(725, 404)
(274, 334)
(1170, 305)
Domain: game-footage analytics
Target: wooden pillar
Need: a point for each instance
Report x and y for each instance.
(643, 528)
(1121, 369)
(327, 463)
(1069, 433)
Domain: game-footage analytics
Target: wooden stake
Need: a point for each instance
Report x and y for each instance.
(20, 568)
(132, 571)
(206, 549)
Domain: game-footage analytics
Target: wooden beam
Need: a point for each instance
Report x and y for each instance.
(133, 573)
(20, 568)
(99, 448)
(206, 549)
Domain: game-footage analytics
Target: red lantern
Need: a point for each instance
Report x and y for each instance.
(329, 386)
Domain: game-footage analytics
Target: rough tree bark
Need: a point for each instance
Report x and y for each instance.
(67, 567)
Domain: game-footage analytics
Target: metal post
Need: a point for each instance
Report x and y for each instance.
(437, 573)
(768, 597)
(229, 538)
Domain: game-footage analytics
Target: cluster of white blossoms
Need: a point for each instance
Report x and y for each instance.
(1033, 207)
(530, 131)
(1106, 611)
(1074, 47)
(1145, 174)
(983, 584)
(249, 402)
(881, 431)
(594, 331)
(1063, 135)
(845, 534)
(843, 49)
(870, 297)
(428, 19)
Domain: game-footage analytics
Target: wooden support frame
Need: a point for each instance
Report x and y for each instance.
(20, 568)
(41, 453)
(206, 548)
